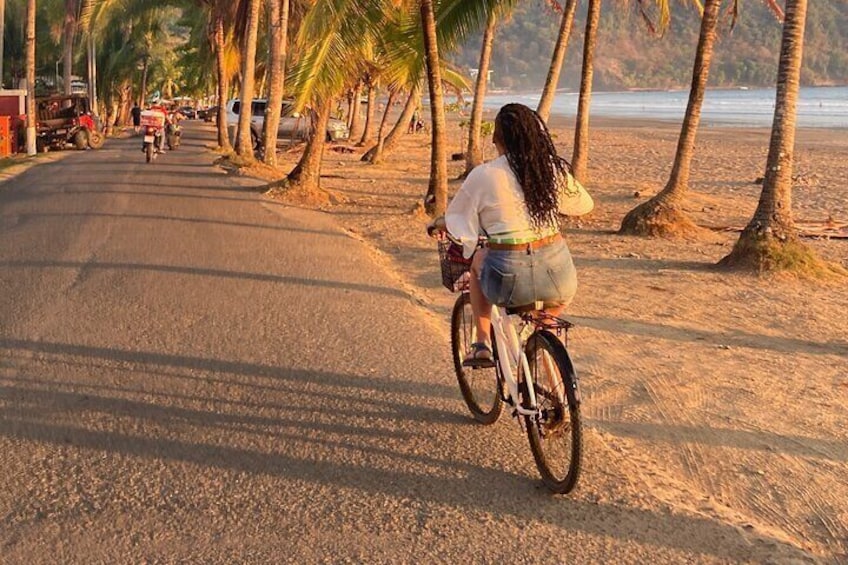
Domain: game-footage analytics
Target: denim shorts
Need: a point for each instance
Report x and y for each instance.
(518, 278)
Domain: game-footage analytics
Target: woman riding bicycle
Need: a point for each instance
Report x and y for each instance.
(514, 201)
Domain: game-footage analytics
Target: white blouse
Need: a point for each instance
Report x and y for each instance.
(491, 202)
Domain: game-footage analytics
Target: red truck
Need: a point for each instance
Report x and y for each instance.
(64, 120)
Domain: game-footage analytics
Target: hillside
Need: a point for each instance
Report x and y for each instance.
(630, 57)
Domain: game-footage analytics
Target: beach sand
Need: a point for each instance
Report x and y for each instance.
(721, 395)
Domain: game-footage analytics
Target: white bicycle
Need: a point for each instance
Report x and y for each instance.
(533, 374)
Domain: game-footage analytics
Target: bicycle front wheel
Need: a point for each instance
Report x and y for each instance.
(480, 388)
(555, 437)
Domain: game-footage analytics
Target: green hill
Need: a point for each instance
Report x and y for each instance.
(628, 56)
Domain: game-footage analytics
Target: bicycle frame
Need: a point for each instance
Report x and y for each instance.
(512, 359)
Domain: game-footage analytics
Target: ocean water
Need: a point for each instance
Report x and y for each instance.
(818, 107)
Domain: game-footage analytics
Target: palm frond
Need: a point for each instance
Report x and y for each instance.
(456, 20)
(331, 39)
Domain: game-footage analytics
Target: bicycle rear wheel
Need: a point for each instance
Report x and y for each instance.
(480, 388)
(556, 440)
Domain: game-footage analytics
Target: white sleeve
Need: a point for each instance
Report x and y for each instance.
(462, 217)
(573, 198)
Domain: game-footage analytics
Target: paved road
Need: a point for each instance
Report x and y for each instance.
(191, 372)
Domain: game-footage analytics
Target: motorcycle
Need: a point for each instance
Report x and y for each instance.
(152, 144)
(173, 132)
(153, 127)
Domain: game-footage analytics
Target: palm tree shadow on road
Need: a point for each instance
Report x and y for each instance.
(392, 467)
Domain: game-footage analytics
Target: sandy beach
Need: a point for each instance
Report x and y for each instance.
(707, 393)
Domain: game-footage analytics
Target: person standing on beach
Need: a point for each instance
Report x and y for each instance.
(136, 118)
(415, 121)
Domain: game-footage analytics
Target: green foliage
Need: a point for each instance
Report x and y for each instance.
(629, 56)
(486, 128)
(456, 107)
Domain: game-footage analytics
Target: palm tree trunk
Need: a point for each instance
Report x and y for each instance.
(661, 215)
(436, 201)
(112, 117)
(30, 76)
(399, 129)
(68, 33)
(368, 132)
(356, 116)
(349, 116)
(769, 241)
(244, 145)
(474, 154)
(307, 174)
(125, 97)
(378, 153)
(279, 23)
(144, 69)
(92, 72)
(557, 59)
(223, 84)
(580, 156)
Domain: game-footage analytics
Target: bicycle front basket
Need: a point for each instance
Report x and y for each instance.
(454, 265)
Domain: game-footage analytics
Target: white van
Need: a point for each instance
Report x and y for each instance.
(294, 127)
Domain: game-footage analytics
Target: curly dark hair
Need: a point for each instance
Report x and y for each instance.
(534, 161)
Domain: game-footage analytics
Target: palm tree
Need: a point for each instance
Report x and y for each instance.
(222, 16)
(68, 36)
(769, 241)
(370, 108)
(196, 57)
(279, 20)
(332, 39)
(381, 128)
(30, 75)
(222, 68)
(377, 153)
(457, 18)
(403, 44)
(244, 144)
(551, 82)
(307, 172)
(355, 121)
(663, 214)
(436, 201)
(329, 45)
(119, 63)
(474, 155)
(580, 155)
(147, 42)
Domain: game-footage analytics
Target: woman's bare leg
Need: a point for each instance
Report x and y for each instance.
(481, 307)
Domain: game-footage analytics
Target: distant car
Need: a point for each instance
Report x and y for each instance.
(79, 87)
(189, 112)
(293, 126)
(209, 114)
